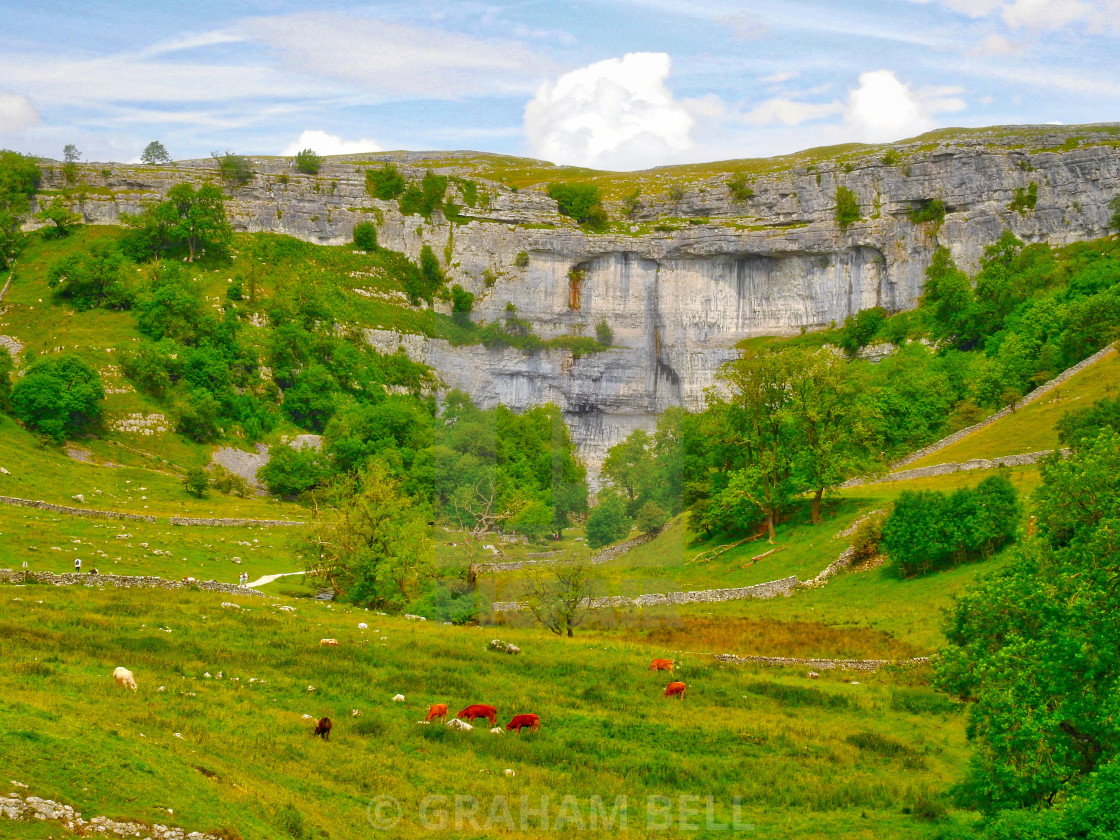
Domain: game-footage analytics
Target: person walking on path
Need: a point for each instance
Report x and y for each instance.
(77, 564)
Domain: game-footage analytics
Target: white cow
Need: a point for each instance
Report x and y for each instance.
(124, 678)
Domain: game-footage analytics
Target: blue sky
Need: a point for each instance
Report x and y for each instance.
(605, 83)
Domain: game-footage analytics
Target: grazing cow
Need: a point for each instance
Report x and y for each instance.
(532, 721)
(676, 688)
(661, 665)
(437, 712)
(330, 642)
(124, 678)
(323, 729)
(478, 710)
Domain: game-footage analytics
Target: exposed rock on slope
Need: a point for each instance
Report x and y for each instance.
(718, 270)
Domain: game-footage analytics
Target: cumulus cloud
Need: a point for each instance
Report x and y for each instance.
(615, 114)
(882, 108)
(329, 144)
(785, 111)
(16, 112)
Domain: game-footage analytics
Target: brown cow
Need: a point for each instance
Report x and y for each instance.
(478, 710)
(437, 712)
(676, 688)
(532, 721)
(661, 665)
(323, 728)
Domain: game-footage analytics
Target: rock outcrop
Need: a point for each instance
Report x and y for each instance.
(689, 273)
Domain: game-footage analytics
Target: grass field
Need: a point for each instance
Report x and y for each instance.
(808, 760)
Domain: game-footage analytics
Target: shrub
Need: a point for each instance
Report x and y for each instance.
(422, 200)
(651, 518)
(365, 236)
(740, 188)
(860, 329)
(290, 472)
(931, 210)
(630, 202)
(385, 183)
(868, 538)
(1024, 201)
(461, 303)
(195, 482)
(847, 207)
(1114, 205)
(891, 157)
(6, 368)
(229, 483)
(522, 259)
(581, 202)
(608, 522)
(58, 396)
(234, 168)
(603, 333)
(308, 162)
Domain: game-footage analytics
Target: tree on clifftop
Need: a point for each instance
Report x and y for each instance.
(154, 153)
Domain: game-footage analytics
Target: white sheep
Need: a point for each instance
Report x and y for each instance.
(124, 678)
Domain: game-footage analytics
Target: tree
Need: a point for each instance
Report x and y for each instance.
(6, 368)
(19, 178)
(560, 595)
(58, 397)
(92, 278)
(190, 217)
(847, 207)
(59, 216)
(155, 153)
(372, 543)
(70, 153)
(608, 521)
(461, 303)
(629, 466)
(580, 202)
(385, 183)
(308, 162)
(195, 482)
(291, 472)
(1036, 646)
(651, 518)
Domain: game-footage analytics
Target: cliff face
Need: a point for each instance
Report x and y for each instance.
(690, 272)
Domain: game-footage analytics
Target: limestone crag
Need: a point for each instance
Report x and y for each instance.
(688, 273)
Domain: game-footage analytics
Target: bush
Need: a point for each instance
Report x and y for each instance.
(234, 168)
(196, 482)
(6, 368)
(365, 236)
(58, 397)
(847, 207)
(868, 538)
(461, 303)
(651, 518)
(581, 202)
(229, 483)
(860, 329)
(385, 183)
(608, 522)
(1024, 200)
(308, 162)
(422, 200)
(603, 333)
(1114, 205)
(522, 259)
(290, 472)
(931, 210)
(740, 188)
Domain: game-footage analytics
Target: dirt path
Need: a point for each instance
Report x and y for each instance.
(263, 579)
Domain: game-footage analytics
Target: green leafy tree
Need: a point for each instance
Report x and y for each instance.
(95, 277)
(560, 596)
(6, 368)
(188, 217)
(308, 162)
(651, 518)
(630, 468)
(198, 416)
(71, 154)
(59, 397)
(59, 216)
(461, 303)
(372, 543)
(290, 472)
(422, 200)
(19, 178)
(947, 295)
(196, 482)
(155, 153)
(1035, 646)
(608, 521)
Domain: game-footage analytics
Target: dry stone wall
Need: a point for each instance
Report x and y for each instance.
(72, 511)
(15, 806)
(122, 581)
(235, 523)
(866, 665)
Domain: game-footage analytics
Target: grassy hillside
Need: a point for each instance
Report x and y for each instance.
(1032, 427)
(808, 760)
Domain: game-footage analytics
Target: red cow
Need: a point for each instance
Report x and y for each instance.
(477, 711)
(437, 712)
(323, 729)
(532, 721)
(661, 665)
(676, 688)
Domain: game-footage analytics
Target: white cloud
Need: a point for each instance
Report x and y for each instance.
(1044, 14)
(784, 111)
(16, 112)
(615, 114)
(996, 45)
(329, 144)
(395, 59)
(883, 109)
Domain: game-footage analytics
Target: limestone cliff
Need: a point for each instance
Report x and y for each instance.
(689, 271)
